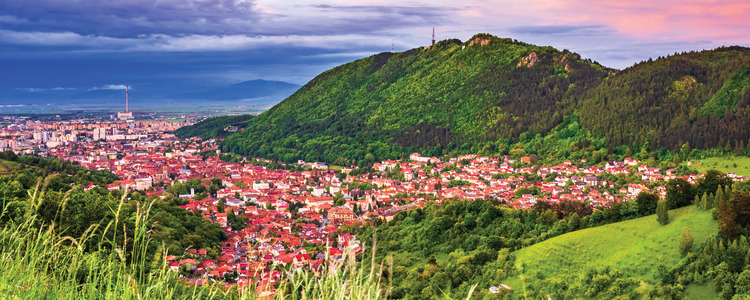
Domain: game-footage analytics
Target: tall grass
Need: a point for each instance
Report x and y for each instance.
(38, 262)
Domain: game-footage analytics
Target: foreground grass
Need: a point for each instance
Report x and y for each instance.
(36, 262)
(635, 247)
(736, 164)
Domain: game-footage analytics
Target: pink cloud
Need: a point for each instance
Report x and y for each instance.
(724, 20)
(672, 18)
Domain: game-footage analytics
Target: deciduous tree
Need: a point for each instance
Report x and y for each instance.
(646, 203)
(679, 193)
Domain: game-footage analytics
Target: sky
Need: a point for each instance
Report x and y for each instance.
(85, 45)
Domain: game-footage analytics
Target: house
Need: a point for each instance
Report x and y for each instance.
(419, 158)
(89, 186)
(341, 214)
(318, 191)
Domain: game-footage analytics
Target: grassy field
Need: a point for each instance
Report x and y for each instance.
(705, 291)
(8, 167)
(739, 165)
(634, 247)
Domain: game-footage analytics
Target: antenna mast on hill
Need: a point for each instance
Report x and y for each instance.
(393, 46)
(433, 36)
(127, 104)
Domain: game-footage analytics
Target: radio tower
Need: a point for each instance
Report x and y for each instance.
(127, 103)
(393, 46)
(433, 36)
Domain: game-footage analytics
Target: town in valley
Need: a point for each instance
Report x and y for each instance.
(296, 215)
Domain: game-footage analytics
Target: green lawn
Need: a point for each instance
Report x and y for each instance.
(705, 291)
(634, 247)
(738, 164)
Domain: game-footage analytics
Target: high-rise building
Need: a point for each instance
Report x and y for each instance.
(100, 134)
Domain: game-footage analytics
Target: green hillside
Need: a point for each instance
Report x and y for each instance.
(489, 93)
(698, 98)
(453, 95)
(11, 167)
(213, 127)
(635, 248)
(737, 164)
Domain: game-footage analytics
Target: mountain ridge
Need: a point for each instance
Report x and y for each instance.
(401, 102)
(489, 93)
(251, 89)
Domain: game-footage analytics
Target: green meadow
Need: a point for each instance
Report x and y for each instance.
(635, 247)
(8, 167)
(736, 164)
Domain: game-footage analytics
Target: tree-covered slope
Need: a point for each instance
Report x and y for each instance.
(213, 127)
(458, 97)
(452, 95)
(698, 98)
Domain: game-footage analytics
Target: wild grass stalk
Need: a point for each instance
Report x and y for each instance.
(38, 261)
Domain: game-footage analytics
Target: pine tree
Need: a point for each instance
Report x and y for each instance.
(662, 214)
(712, 200)
(686, 241)
(704, 201)
(718, 197)
(725, 216)
(727, 193)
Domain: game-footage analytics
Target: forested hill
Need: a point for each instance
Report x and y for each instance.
(698, 98)
(451, 95)
(213, 127)
(488, 93)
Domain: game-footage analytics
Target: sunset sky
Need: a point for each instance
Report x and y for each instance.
(78, 44)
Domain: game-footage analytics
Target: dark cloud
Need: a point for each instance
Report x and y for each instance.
(562, 30)
(329, 20)
(139, 18)
(133, 17)
(366, 19)
(424, 12)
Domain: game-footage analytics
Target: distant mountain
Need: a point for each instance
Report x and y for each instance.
(260, 92)
(111, 95)
(246, 90)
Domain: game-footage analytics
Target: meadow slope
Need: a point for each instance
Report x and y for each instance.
(635, 247)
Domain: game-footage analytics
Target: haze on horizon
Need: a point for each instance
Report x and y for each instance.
(54, 45)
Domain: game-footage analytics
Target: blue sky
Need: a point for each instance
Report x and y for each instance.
(79, 45)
